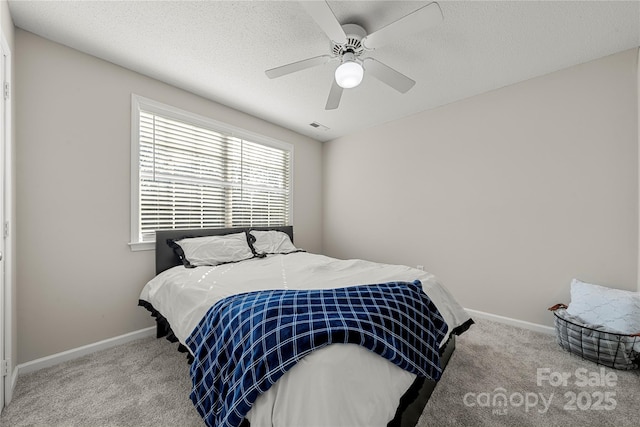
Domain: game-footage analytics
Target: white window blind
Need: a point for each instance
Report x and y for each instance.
(192, 175)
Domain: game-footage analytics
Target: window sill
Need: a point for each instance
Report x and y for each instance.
(142, 246)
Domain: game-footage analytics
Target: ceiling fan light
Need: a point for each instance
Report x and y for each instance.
(349, 74)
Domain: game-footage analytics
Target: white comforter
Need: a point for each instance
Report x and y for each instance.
(339, 385)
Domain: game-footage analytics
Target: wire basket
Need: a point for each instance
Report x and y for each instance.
(606, 348)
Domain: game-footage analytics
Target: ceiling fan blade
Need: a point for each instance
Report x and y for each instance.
(324, 17)
(334, 96)
(419, 20)
(388, 75)
(297, 66)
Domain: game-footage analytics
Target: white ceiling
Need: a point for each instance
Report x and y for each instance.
(220, 50)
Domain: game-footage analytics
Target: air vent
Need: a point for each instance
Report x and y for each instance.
(318, 126)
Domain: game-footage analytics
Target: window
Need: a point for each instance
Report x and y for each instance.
(193, 172)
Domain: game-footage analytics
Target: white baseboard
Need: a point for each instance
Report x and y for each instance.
(75, 353)
(54, 359)
(513, 322)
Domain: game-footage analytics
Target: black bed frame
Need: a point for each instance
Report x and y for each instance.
(412, 402)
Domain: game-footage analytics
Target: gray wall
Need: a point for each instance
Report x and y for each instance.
(78, 281)
(505, 196)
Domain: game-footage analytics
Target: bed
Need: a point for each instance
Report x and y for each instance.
(338, 384)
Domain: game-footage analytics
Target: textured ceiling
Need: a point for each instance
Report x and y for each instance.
(220, 50)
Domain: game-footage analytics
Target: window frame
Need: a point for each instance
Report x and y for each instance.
(140, 103)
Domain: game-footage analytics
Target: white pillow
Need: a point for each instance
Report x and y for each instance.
(215, 250)
(272, 242)
(614, 309)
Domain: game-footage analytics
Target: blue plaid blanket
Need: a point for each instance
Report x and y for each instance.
(246, 342)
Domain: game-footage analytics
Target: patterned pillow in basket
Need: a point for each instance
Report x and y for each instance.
(600, 307)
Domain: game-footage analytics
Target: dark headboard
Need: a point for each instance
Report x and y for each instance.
(166, 258)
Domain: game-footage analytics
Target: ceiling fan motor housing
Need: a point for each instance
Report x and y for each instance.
(355, 33)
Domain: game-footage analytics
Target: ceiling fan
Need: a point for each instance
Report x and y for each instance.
(350, 45)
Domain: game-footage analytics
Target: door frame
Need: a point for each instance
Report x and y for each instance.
(6, 228)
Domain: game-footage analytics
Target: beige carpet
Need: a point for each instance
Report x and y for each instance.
(146, 383)
(497, 360)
